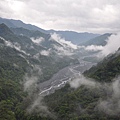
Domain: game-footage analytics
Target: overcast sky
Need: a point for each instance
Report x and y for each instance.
(99, 16)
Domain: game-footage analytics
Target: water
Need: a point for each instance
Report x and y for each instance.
(62, 77)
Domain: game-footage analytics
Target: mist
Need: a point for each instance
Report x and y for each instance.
(111, 46)
(14, 45)
(30, 83)
(94, 48)
(113, 43)
(45, 52)
(38, 40)
(111, 103)
(62, 41)
(81, 80)
(31, 78)
(38, 106)
(61, 51)
(64, 48)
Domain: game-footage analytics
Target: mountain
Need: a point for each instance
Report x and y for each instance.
(24, 64)
(29, 58)
(75, 37)
(92, 100)
(18, 23)
(99, 40)
(107, 69)
(36, 46)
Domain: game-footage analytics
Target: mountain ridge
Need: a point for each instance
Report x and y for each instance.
(74, 37)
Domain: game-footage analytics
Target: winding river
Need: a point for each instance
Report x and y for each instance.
(62, 77)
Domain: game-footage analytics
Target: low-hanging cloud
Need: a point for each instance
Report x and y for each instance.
(14, 45)
(111, 46)
(30, 79)
(39, 106)
(62, 41)
(64, 48)
(81, 80)
(111, 103)
(61, 51)
(30, 84)
(38, 40)
(113, 43)
(45, 52)
(94, 48)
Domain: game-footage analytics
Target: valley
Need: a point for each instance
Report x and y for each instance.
(45, 76)
(63, 76)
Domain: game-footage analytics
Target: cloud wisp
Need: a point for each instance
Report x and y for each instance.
(38, 40)
(63, 47)
(36, 103)
(109, 105)
(112, 45)
(94, 48)
(62, 41)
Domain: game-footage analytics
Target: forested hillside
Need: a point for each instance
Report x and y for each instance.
(89, 102)
(59, 59)
(106, 70)
(18, 60)
(29, 58)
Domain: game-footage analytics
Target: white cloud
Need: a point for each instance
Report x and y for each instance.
(62, 51)
(45, 52)
(62, 41)
(94, 48)
(80, 15)
(109, 104)
(113, 43)
(30, 80)
(65, 48)
(38, 40)
(81, 80)
(14, 45)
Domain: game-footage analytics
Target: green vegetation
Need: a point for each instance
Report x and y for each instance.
(106, 70)
(14, 64)
(66, 103)
(82, 103)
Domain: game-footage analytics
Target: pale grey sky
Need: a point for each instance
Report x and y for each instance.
(99, 16)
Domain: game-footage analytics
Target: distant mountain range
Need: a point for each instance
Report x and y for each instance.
(30, 55)
(99, 40)
(74, 37)
(36, 48)
(18, 23)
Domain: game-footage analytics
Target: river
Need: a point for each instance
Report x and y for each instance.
(62, 77)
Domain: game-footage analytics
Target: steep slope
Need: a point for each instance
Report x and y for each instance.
(89, 102)
(106, 70)
(18, 23)
(24, 61)
(99, 40)
(28, 33)
(36, 36)
(74, 37)
(43, 54)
